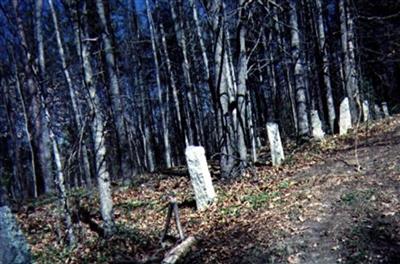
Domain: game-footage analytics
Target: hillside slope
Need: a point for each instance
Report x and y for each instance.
(324, 205)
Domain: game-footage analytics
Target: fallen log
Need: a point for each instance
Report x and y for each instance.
(180, 251)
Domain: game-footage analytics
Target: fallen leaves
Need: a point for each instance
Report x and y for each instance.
(250, 213)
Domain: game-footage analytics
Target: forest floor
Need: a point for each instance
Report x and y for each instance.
(324, 205)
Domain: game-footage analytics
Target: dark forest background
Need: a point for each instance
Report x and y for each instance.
(97, 91)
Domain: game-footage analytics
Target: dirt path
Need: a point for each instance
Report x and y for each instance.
(352, 216)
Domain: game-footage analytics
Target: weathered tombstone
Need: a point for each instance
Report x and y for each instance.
(378, 112)
(365, 108)
(345, 117)
(385, 109)
(13, 246)
(316, 126)
(200, 176)
(275, 143)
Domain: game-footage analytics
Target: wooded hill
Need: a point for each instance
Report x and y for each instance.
(95, 93)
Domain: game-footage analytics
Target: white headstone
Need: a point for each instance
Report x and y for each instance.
(13, 246)
(275, 143)
(385, 109)
(365, 109)
(316, 126)
(345, 117)
(200, 176)
(378, 112)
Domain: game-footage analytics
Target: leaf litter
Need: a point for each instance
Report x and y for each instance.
(315, 208)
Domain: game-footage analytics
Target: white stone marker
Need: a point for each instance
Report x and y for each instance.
(316, 126)
(385, 109)
(275, 143)
(378, 112)
(345, 117)
(365, 108)
(200, 176)
(13, 245)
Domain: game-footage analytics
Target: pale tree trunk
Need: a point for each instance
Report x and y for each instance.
(223, 84)
(241, 85)
(206, 64)
(348, 70)
(75, 108)
(352, 60)
(252, 129)
(267, 80)
(60, 180)
(282, 43)
(40, 101)
(117, 103)
(323, 48)
(182, 43)
(16, 189)
(26, 127)
(34, 106)
(299, 73)
(165, 130)
(200, 38)
(97, 128)
(144, 121)
(146, 141)
(173, 84)
(43, 137)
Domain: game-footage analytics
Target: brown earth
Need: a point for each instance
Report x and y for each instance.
(324, 205)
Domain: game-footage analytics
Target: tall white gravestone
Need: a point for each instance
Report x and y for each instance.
(200, 176)
(385, 109)
(345, 117)
(316, 126)
(13, 246)
(275, 143)
(365, 108)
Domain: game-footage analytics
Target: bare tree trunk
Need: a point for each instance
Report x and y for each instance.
(43, 136)
(97, 128)
(241, 85)
(34, 120)
(325, 60)
(60, 182)
(165, 130)
(206, 64)
(144, 124)
(181, 37)
(173, 84)
(348, 70)
(117, 103)
(352, 60)
(75, 108)
(224, 85)
(16, 187)
(285, 72)
(299, 73)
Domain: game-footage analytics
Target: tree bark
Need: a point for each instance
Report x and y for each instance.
(97, 127)
(226, 95)
(44, 138)
(117, 103)
(165, 130)
(173, 84)
(326, 66)
(299, 73)
(189, 105)
(241, 85)
(85, 164)
(348, 67)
